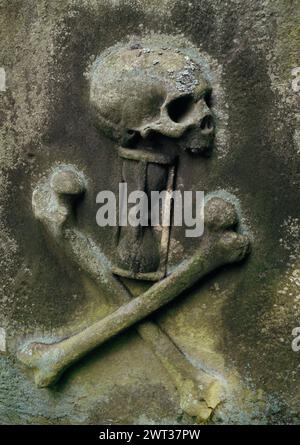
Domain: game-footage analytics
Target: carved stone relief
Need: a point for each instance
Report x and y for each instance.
(144, 324)
(138, 95)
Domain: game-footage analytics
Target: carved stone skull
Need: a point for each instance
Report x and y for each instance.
(136, 91)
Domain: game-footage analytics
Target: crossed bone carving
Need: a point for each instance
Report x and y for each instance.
(53, 202)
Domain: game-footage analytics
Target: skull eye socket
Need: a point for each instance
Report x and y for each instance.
(180, 108)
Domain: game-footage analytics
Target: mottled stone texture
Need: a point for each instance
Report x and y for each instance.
(238, 323)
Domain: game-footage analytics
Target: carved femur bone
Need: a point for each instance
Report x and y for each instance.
(138, 91)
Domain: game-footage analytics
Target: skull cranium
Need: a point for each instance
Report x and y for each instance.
(139, 91)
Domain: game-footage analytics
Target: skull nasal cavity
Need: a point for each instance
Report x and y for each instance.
(180, 108)
(207, 124)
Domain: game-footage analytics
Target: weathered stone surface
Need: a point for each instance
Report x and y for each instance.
(236, 325)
